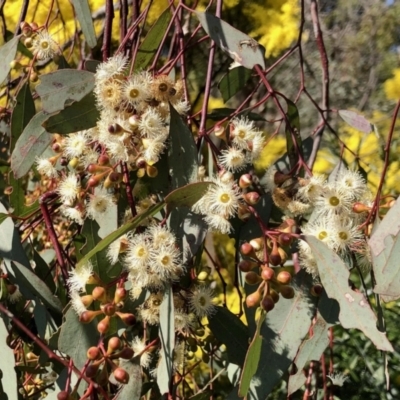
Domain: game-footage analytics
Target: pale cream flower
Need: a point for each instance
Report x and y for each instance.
(98, 205)
(79, 277)
(201, 301)
(44, 46)
(69, 189)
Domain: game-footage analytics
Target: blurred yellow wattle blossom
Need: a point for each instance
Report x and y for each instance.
(392, 86)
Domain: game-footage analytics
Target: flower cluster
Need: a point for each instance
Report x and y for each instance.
(152, 259)
(245, 145)
(328, 206)
(133, 128)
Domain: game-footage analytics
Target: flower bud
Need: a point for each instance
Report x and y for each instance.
(126, 353)
(226, 177)
(91, 370)
(99, 294)
(134, 121)
(267, 303)
(284, 277)
(275, 257)
(28, 42)
(87, 300)
(26, 29)
(104, 325)
(121, 375)
(151, 171)
(33, 77)
(360, 208)
(104, 160)
(120, 294)
(287, 292)
(287, 226)
(127, 318)
(247, 250)
(251, 198)
(115, 129)
(285, 239)
(95, 168)
(219, 131)
(267, 273)
(253, 299)
(245, 181)
(114, 344)
(63, 395)
(108, 309)
(246, 266)
(88, 316)
(252, 278)
(275, 295)
(93, 353)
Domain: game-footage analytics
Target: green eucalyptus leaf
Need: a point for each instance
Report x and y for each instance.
(7, 54)
(61, 88)
(8, 377)
(17, 196)
(166, 334)
(10, 242)
(43, 271)
(23, 112)
(187, 195)
(3, 217)
(76, 337)
(90, 231)
(82, 12)
(31, 144)
(313, 348)
(152, 41)
(357, 121)
(91, 65)
(242, 48)
(282, 332)
(252, 359)
(131, 390)
(232, 332)
(233, 81)
(80, 115)
(27, 278)
(293, 138)
(385, 253)
(182, 156)
(355, 311)
(129, 226)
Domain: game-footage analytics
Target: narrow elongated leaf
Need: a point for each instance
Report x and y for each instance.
(82, 12)
(252, 358)
(166, 334)
(355, 311)
(27, 278)
(32, 143)
(152, 41)
(182, 156)
(232, 332)
(356, 121)
(75, 338)
(60, 88)
(7, 54)
(233, 81)
(23, 112)
(293, 138)
(282, 332)
(80, 115)
(8, 377)
(187, 195)
(99, 260)
(121, 231)
(242, 48)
